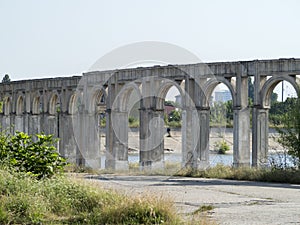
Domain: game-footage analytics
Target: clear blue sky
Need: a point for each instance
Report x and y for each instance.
(65, 37)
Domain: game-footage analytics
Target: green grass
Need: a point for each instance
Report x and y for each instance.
(245, 173)
(203, 208)
(61, 200)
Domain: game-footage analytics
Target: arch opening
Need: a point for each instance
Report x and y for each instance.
(170, 100)
(54, 116)
(221, 124)
(37, 106)
(282, 98)
(20, 106)
(125, 121)
(6, 106)
(99, 108)
(54, 105)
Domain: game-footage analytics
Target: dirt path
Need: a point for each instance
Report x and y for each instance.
(235, 202)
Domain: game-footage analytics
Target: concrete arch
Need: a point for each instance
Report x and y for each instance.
(36, 105)
(96, 98)
(121, 101)
(270, 84)
(73, 104)
(20, 105)
(163, 90)
(6, 106)
(54, 102)
(210, 85)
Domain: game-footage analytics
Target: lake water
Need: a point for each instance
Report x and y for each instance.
(214, 159)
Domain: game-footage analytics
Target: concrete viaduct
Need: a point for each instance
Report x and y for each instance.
(71, 108)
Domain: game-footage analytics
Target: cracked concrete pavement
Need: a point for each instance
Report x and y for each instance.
(235, 202)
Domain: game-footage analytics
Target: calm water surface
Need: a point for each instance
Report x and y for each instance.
(214, 159)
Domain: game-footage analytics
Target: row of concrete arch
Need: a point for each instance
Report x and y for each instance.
(68, 107)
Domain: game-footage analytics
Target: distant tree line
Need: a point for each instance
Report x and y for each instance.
(6, 79)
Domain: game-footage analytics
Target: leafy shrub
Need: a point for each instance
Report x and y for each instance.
(38, 158)
(289, 133)
(222, 147)
(174, 124)
(133, 122)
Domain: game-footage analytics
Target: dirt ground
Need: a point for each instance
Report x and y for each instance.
(216, 134)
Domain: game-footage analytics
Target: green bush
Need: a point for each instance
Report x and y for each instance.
(133, 122)
(222, 147)
(174, 124)
(38, 158)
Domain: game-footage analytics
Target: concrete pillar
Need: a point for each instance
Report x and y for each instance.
(92, 142)
(260, 130)
(7, 123)
(18, 123)
(151, 137)
(79, 129)
(241, 137)
(26, 122)
(195, 128)
(190, 137)
(34, 124)
(68, 146)
(12, 122)
(241, 123)
(50, 126)
(260, 123)
(116, 140)
(195, 138)
(85, 150)
(203, 144)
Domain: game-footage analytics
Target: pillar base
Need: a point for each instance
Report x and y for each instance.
(151, 165)
(202, 165)
(93, 163)
(119, 165)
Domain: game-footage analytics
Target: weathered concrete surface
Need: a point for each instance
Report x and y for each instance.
(235, 202)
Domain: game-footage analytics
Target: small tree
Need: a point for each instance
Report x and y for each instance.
(6, 79)
(289, 133)
(38, 158)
